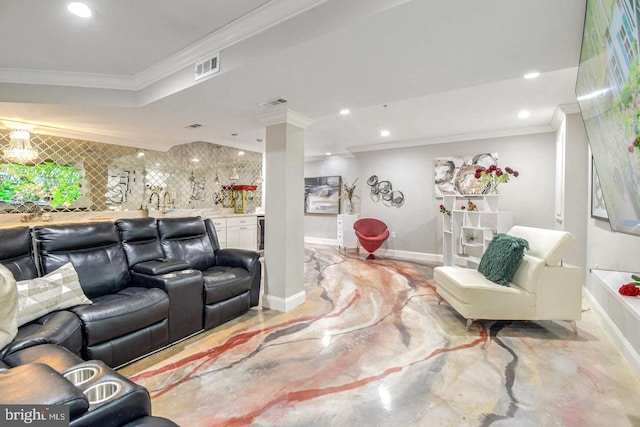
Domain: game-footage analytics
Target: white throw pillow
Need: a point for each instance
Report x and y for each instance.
(8, 307)
(57, 290)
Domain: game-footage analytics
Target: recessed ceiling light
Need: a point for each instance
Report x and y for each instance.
(240, 153)
(532, 75)
(344, 112)
(79, 9)
(140, 154)
(195, 160)
(385, 133)
(524, 114)
(328, 153)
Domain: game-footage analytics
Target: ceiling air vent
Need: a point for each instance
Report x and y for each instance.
(208, 66)
(194, 125)
(274, 102)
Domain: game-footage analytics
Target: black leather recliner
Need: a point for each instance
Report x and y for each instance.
(231, 276)
(59, 327)
(124, 321)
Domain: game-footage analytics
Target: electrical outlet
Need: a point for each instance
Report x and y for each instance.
(393, 234)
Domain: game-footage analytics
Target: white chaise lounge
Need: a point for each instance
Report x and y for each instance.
(543, 287)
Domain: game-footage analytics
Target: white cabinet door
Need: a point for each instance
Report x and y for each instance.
(242, 233)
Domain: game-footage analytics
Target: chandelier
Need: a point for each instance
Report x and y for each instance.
(20, 149)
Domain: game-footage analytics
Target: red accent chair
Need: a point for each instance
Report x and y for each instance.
(371, 234)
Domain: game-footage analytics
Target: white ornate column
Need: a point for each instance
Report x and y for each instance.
(284, 210)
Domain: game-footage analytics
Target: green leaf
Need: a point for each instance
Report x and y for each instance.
(636, 278)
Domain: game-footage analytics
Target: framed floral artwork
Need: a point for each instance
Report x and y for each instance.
(456, 175)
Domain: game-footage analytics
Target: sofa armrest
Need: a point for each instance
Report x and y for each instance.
(243, 258)
(129, 401)
(559, 293)
(59, 327)
(160, 266)
(186, 301)
(249, 260)
(39, 384)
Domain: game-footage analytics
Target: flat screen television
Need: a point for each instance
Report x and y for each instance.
(608, 92)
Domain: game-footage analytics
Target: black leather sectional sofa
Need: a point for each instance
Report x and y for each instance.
(152, 282)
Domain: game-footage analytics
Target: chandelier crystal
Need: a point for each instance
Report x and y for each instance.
(20, 149)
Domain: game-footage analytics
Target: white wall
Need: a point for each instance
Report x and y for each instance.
(411, 170)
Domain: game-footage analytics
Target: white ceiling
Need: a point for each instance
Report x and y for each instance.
(446, 70)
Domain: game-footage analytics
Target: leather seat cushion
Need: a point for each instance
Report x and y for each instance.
(39, 384)
(466, 283)
(475, 296)
(222, 283)
(59, 358)
(114, 315)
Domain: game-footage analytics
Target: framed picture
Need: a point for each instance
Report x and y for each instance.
(598, 208)
(455, 175)
(322, 195)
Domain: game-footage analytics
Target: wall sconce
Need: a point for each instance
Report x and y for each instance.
(20, 149)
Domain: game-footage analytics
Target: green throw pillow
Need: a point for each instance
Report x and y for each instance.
(501, 259)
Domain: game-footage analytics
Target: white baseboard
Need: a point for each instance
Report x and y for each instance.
(390, 253)
(283, 304)
(321, 241)
(408, 255)
(619, 340)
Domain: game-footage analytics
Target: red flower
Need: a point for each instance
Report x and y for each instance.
(516, 173)
(508, 169)
(478, 175)
(629, 290)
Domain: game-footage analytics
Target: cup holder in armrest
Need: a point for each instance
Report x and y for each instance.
(102, 392)
(81, 375)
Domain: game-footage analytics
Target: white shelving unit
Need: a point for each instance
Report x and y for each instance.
(346, 236)
(466, 234)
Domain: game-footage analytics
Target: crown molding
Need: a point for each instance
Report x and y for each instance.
(324, 157)
(266, 16)
(285, 116)
(66, 78)
(571, 108)
(246, 26)
(561, 112)
(451, 138)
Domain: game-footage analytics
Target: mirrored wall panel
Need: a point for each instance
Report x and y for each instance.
(70, 175)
